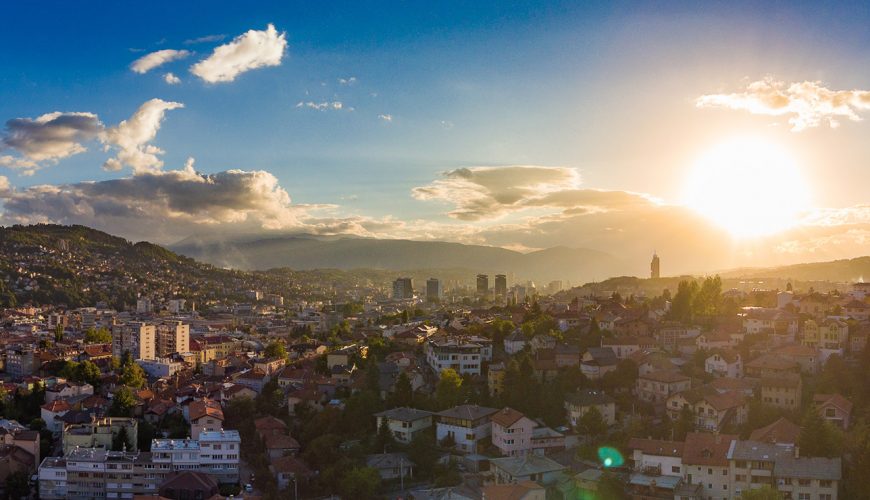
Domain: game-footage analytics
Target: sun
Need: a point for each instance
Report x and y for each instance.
(749, 187)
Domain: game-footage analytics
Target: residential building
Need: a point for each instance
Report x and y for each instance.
(160, 367)
(434, 291)
(466, 355)
(391, 465)
(403, 289)
(482, 285)
(501, 286)
(52, 478)
(465, 426)
(98, 433)
(724, 363)
(625, 346)
(495, 378)
(705, 462)
(834, 408)
(172, 337)
(137, 338)
(597, 361)
(512, 432)
(405, 423)
(656, 387)
(205, 415)
(782, 391)
(516, 470)
(215, 453)
(753, 464)
(577, 404)
(20, 362)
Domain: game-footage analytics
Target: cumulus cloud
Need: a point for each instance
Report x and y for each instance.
(173, 203)
(155, 59)
(251, 50)
(171, 79)
(807, 104)
(52, 136)
(386, 118)
(480, 193)
(131, 138)
(323, 105)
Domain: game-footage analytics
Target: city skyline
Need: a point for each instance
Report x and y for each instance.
(523, 126)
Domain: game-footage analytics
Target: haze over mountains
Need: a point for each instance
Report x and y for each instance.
(311, 252)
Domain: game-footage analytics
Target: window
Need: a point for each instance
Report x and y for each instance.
(675, 468)
(804, 482)
(825, 483)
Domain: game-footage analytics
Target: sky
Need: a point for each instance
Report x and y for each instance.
(525, 125)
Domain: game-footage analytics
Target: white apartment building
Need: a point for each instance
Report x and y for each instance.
(465, 425)
(52, 478)
(466, 355)
(215, 453)
(139, 338)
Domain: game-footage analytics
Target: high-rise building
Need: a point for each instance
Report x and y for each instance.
(482, 284)
(403, 289)
(434, 292)
(500, 285)
(654, 267)
(172, 337)
(140, 339)
(20, 361)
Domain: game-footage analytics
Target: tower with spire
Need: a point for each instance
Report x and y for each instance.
(654, 267)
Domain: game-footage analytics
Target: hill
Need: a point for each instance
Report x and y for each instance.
(302, 252)
(844, 270)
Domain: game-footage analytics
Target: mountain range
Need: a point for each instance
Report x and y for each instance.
(304, 252)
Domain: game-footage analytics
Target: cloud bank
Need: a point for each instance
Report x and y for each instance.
(251, 50)
(49, 137)
(807, 104)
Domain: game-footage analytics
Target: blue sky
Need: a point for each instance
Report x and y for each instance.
(605, 89)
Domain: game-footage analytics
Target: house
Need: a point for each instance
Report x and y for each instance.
(782, 432)
(807, 358)
(776, 322)
(280, 445)
(724, 363)
(567, 355)
(624, 347)
(238, 391)
(527, 490)
(391, 465)
(715, 340)
(189, 484)
(495, 378)
(205, 415)
(782, 391)
(465, 426)
(656, 387)
(288, 470)
(67, 390)
(656, 456)
(577, 404)
(770, 365)
(597, 361)
(834, 408)
(542, 341)
(515, 342)
(531, 467)
(512, 432)
(405, 423)
(51, 412)
(712, 410)
(753, 464)
(465, 354)
(705, 462)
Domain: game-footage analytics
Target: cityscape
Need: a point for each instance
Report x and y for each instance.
(534, 251)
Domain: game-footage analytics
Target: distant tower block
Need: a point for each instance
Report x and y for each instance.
(654, 267)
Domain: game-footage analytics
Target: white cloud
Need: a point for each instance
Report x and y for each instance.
(323, 106)
(5, 186)
(386, 118)
(347, 81)
(251, 50)
(171, 79)
(51, 137)
(132, 137)
(807, 104)
(150, 61)
(205, 39)
(479, 193)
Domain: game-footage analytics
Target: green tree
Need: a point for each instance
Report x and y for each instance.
(271, 399)
(88, 372)
(275, 350)
(144, 434)
(817, 437)
(610, 487)
(58, 333)
(123, 403)
(684, 424)
(121, 440)
(384, 440)
(101, 336)
(592, 425)
(360, 482)
(449, 388)
(682, 303)
(132, 375)
(403, 392)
